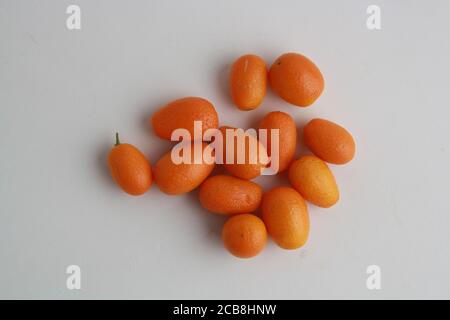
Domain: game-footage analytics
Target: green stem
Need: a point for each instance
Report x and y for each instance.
(117, 139)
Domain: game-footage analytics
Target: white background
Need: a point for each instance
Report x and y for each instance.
(63, 95)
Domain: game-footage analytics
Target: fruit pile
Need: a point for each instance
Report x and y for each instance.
(297, 80)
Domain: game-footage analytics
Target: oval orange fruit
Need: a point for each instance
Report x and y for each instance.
(244, 235)
(129, 168)
(314, 180)
(296, 79)
(329, 141)
(285, 215)
(248, 81)
(181, 114)
(287, 132)
(229, 195)
(178, 178)
(254, 160)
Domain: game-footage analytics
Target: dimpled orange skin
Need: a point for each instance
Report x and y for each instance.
(229, 195)
(248, 82)
(244, 170)
(329, 141)
(244, 235)
(296, 79)
(130, 169)
(287, 136)
(182, 113)
(174, 179)
(285, 215)
(311, 177)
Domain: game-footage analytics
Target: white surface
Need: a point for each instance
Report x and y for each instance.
(64, 93)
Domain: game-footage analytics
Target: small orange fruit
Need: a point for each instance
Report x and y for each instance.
(287, 136)
(314, 180)
(181, 114)
(129, 168)
(244, 235)
(329, 141)
(173, 178)
(229, 195)
(296, 79)
(248, 81)
(254, 159)
(285, 215)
